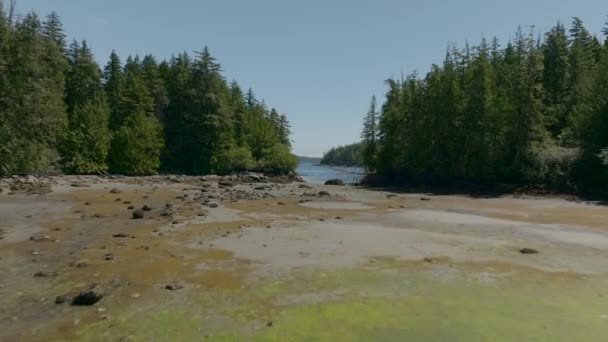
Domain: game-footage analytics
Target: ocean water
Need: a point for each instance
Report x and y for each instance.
(314, 173)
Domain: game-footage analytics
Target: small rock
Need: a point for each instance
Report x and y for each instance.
(121, 235)
(174, 286)
(334, 182)
(425, 199)
(269, 324)
(324, 193)
(146, 208)
(213, 205)
(62, 299)
(43, 274)
(88, 297)
(130, 207)
(281, 203)
(430, 260)
(528, 251)
(40, 238)
(138, 214)
(115, 191)
(108, 257)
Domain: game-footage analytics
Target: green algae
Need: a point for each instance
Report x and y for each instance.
(385, 302)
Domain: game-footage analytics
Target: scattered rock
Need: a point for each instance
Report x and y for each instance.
(62, 299)
(88, 297)
(304, 186)
(40, 238)
(138, 214)
(174, 286)
(226, 184)
(528, 251)
(43, 274)
(334, 182)
(121, 235)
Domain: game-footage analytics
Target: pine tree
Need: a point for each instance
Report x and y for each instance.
(83, 81)
(156, 86)
(53, 30)
(370, 133)
(85, 146)
(114, 84)
(580, 83)
(556, 78)
(136, 146)
(35, 68)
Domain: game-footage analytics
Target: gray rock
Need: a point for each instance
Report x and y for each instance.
(138, 214)
(88, 297)
(528, 251)
(334, 182)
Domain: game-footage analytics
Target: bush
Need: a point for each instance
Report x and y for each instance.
(554, 164)
(278, 159)
(136, 146)
(235, 159)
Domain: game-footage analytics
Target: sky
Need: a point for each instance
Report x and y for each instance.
(318, 61)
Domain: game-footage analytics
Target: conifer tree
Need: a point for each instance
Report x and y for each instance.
(370, 133)
(114, 83)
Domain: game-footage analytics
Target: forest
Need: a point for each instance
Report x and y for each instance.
(61, 112)
(349, 155)
(533, 111)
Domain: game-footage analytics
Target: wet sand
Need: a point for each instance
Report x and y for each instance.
(228, 259)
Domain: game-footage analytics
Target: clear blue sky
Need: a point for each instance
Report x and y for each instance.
(317, 60)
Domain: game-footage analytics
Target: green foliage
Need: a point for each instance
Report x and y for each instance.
(278, 159)
(370, 134)
(86, 144)
(349, 155)
(534, 111)
(136, 146)
(235, 159)
(32, 110)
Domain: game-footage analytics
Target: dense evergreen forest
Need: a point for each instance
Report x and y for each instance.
(349, 155)
(59, 110)
(534, 111)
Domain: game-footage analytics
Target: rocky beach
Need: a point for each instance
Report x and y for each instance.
(257, 258)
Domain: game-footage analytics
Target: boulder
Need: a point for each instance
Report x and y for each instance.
(138, 214)
(334, 182)
(88, 297)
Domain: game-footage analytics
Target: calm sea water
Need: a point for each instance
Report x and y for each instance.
(314, 173)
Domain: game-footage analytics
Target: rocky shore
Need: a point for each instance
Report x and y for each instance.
(257, 258)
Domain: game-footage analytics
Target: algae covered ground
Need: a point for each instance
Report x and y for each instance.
(252, 260)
